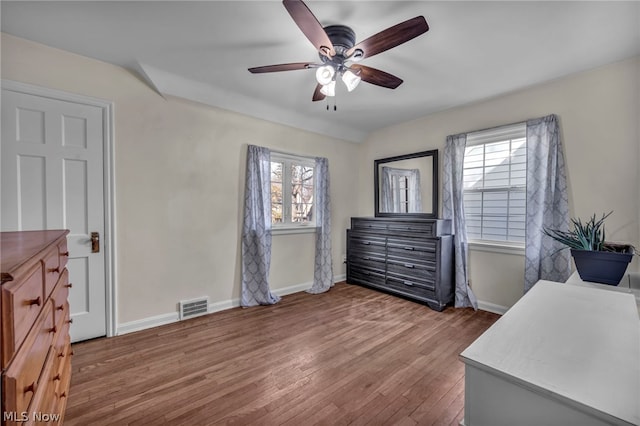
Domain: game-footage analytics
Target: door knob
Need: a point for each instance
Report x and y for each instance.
(95, 242)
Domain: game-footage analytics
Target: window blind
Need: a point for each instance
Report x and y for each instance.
(495, 184)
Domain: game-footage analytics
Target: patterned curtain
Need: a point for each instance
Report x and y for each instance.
(256, 230)
(547, 203)
(323, 267)
(453, 208)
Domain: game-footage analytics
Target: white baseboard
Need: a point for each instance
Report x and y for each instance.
(492, 307)
(158, 320)
(144, 323)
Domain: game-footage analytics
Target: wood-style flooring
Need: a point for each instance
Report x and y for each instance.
(351, 356)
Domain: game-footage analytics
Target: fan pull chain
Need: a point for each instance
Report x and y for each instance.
(335, 108)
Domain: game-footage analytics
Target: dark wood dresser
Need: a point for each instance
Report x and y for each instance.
(36, 349)
(412, 258)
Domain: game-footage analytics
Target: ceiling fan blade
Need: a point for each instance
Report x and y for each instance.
(377, 77)
(317, 95)
(391, 37)
(281, 67)
(310, 26)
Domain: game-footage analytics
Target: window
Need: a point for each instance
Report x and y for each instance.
(401, 190)
(495, 178)
(292, 191)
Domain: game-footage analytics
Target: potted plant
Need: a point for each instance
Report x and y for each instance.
(596, 259)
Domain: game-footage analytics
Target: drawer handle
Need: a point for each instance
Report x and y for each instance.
(37, 301)
(365, 258)
(69, 285)
(70, 321)
(31, 388)
(60, 308)
(409, 283)
(408, 265)
(55, 270)
(63, 395)
(366, 243)
(57, 377)
(409, 248)
(66, 254)
(53, 329)
(61, 354)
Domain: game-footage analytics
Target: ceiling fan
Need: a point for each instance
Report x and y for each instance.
(337, 48)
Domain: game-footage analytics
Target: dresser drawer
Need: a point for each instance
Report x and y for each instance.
(63, 385)
(413, 266)
(361, 275)
(21, 379)
(62, 338)
(422, 276)
(60, 295)
(425, 228)
(43, 400)
(367, 243)
(410, 285)
(61, 358)
(22, 301)
(367, 259)
(412, 246)
(368, 224)
(63, 253)
(51, 264)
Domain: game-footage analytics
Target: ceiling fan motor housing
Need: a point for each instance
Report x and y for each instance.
(342, 37)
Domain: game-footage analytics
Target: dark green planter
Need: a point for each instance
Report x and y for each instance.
(603, 267)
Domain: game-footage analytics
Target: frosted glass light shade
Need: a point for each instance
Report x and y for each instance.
(325, 74)
(350, 80)
(329, 89)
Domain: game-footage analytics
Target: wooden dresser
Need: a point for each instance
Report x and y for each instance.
(36, 349)
(412, 258)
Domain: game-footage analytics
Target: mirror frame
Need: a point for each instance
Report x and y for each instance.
(434, 180)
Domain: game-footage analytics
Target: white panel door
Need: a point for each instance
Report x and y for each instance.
(52, 178)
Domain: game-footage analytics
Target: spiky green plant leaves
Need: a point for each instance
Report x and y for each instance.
(589, 235)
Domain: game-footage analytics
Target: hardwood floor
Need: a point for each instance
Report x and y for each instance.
(350, 356)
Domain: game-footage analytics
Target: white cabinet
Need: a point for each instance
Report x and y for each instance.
(563, 355)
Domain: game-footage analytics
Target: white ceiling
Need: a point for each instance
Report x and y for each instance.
(201, 51)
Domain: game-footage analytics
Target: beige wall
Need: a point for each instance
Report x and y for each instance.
(180, 174)
(599, 113)
(179, 183)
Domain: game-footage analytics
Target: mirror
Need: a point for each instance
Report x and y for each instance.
(407, 185)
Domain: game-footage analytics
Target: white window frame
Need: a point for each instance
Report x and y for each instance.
(483, 137)
(287, 226)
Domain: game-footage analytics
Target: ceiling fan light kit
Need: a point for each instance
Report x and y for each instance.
(351, 80)
(337, 49)
(329, 89)
(325, 74)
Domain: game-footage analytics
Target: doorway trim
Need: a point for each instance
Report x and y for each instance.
(108, 179)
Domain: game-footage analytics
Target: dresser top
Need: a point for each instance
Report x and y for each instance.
(572, 343)
(17, 248)
(400, 219)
